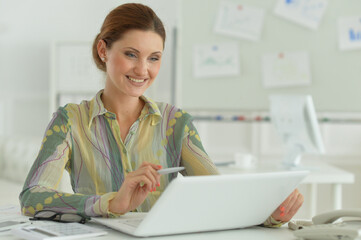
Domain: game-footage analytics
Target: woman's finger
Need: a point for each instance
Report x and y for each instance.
(296, 205)
(143, 182)
(153, 170)
(294, 199)
(288, 206)
(285, 213)
(150, 173)
(289, 200)
(155, 166)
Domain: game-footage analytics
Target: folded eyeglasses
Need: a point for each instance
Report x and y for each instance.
(59, 217)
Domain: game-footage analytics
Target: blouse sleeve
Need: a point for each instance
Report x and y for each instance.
(194, 157)
(39, 191)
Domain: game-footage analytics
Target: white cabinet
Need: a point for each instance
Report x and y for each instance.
(74, 75)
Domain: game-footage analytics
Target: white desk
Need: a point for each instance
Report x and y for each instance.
(320, 173)
(12, 212)
(254, 233)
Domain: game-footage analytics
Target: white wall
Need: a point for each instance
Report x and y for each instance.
(27, 29)
(2, 118)
(246, 90)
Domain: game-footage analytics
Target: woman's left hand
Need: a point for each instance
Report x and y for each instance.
(289, 207)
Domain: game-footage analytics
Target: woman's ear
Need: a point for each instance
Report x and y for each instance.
(102, 50)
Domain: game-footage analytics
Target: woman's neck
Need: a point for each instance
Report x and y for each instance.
(125, 107)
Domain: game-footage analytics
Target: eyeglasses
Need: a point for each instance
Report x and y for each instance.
(59, 217)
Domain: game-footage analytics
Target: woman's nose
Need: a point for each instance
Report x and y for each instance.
(141, 68)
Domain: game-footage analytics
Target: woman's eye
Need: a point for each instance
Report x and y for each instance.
(129, 54)
(154, 59)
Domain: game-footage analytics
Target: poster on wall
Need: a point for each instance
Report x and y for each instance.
(238, 20)
(287, 69)
(307, 13)
(214, 60)
(349, 29)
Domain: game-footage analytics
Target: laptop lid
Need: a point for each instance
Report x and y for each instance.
(218, 202)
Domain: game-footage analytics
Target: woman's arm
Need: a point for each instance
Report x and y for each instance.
(135, 188)
(39, 191)
(193, 157)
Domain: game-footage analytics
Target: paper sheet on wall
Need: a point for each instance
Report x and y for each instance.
(214, 60)
(239, 21)
(307, 13)
(349, 29)
(286, 69)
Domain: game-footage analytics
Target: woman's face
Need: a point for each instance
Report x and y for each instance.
(133, 62)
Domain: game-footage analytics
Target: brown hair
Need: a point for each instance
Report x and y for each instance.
(122, 19)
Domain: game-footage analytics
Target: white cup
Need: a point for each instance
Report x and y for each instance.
(244, 160)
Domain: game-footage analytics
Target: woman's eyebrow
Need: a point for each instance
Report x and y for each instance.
(158, 52)
(136, 50)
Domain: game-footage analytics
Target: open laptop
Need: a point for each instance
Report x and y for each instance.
(210, 203)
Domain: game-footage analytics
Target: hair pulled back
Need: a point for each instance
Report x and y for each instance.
(126, 17)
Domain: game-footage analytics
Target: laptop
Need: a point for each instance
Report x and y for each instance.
(210, 203)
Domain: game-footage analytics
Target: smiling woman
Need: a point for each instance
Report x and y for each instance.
(121, 20)
(132, 63)
(114, 144)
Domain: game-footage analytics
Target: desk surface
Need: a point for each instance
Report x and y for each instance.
(254, 233)
(319, 172)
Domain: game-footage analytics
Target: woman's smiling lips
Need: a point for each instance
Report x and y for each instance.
(137, 82)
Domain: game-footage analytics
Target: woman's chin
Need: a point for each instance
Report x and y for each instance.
(136, 94)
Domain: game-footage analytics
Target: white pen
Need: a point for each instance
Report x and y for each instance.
(170, 170)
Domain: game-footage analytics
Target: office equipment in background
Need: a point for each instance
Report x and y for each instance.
(210, 203)
(295, 120)
(326, 226)
(58, 231)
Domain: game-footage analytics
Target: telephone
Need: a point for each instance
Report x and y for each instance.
(326, 227)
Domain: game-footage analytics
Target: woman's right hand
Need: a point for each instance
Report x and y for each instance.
(135, 188)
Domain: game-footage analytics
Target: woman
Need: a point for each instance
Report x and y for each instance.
(113, 145)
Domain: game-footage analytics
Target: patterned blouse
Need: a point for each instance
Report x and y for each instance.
(85, 140)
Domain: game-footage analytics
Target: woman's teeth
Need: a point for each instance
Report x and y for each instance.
(136, 80)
